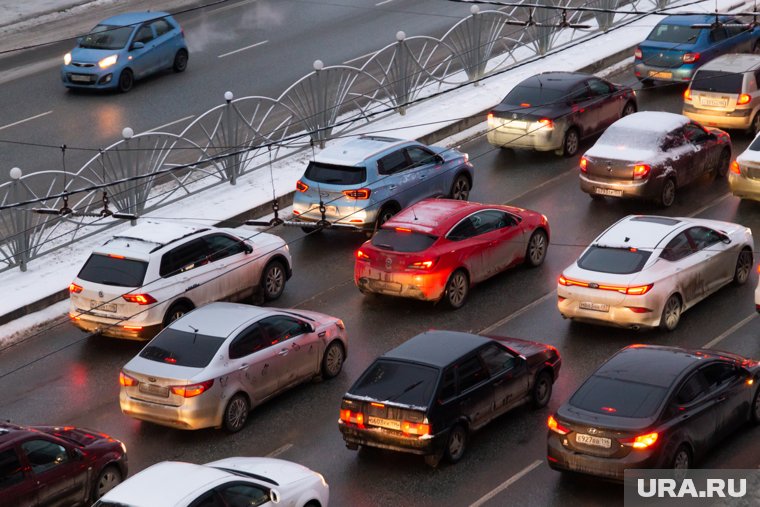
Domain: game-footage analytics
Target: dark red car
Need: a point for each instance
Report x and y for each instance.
(57, 466)
(438, 248)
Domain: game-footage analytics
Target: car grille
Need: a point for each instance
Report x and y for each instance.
(84, 65)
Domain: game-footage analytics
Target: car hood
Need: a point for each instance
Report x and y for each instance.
(90, 55)
(280, 471)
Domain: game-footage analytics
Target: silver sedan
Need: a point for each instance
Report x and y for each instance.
(209, 368)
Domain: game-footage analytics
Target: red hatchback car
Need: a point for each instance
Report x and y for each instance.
(57, 466)
(438, 248)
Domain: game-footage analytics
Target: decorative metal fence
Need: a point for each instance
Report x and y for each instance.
(229, 140)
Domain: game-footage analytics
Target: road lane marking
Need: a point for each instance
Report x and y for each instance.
(320, 293)
(730, 331)
(170, 123)
(533, 189)
(383, 2)
(279, 450)
(243, 49)
(710, 205)
(25, 120)
(516, 314)
(504, 485)
(359, 58)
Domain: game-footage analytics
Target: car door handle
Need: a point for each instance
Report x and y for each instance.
(392, 187)
(243, 367)
(283, 352)
(322, 334)
(422, 176)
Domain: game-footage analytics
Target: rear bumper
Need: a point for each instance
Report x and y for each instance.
(189, 416)
(634, 189)
(539, 140)
(359, 217)
(114, 328)
(739, 119)
(427, 287)
(679, 74)
(619, 313)
(743, 187)
(388, 439)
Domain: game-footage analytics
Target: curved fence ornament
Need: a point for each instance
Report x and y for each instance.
(605, 19)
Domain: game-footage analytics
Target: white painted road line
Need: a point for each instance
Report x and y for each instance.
(711, 204)
(243, 49)
(358, 58)
(730, 331)
(516, 314)
(26, 120)
(279, 450)
(171, 123)
(383, 2)
(504, 485)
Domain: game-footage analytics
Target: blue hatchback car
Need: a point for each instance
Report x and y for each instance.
(676, 48)
(124, 48)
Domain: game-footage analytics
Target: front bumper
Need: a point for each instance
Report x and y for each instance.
(392, 440)
(743, 187)
(629, 189)
(425, 287)
(89, 77)
(618, 312)
(194, 413)
(740, 119)
(679, 74)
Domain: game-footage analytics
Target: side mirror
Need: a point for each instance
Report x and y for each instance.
(308, 327)
(274, 496)
(77, 453)
(725, 239)
(439, 160)
(248, 248)
(79, 41)
(137, 45)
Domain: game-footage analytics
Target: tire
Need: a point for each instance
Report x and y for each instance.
(332, 361)
(721, 169)
(457, 289)
(754, 416)
(754, 127)
(681, 458)
(629, 108)
(460, 188)
(456, 444)
(570, 143)
(273, 280)
(385, 214)
(176, 311)
(671, 313)
(236, 413)
(536, 250)
(126, 81)
(542, 389)
(107, 479)
(180, 61)
(667, 193)
(743, 267)
(646, 83)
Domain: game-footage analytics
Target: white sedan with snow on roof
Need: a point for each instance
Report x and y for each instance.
(645, 271)
(151, 274)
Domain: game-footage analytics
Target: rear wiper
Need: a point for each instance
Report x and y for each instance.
(409, 388)
(385, 246)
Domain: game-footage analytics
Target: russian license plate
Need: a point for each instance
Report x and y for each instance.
(660, 74)
(597, 307)
(80, 78)
(99, 306)
(608, 191)
(707, 101)
(153, 389)
(384, 423)
(592, 440)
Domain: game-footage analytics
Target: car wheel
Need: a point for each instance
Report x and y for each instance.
(385, 214)
(456, 444)
(681, 458)
(668, 193)
(571, 142)
(646, 83)
(108, 478)
(332, 361)
(754, 127)
(542, 389)
(457, 289)
(755, 415)
(180, 61)
(236, 413)
(126, 80)
(743, 267)
(536, 251)
(629, 108)
(721, 169)
(460, 189)
(273, 280)
(176, 311)
(671, 313)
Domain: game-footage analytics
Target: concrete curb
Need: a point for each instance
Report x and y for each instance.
(44, 12)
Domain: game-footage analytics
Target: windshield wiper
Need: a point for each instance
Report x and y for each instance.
(385, 246)
(406, 390)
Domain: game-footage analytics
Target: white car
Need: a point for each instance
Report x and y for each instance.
(644, 271)
(757, 293)
(150, 275)
(233, 482)
(744, 173)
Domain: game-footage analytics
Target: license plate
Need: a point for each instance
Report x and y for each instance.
(80, 79)
(384, 423)
(705, 101)
(153, 389)
(592, 440)
(103, 307)
(660, 75)
(608, 191)
(597, 307)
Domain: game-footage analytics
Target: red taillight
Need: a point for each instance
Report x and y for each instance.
(361, 256)
(524, 104)
(609, 410)
(403, 229)
(546, 123)
(735, 168)
(127, 381)
(584, 164)
(301, 186)
(556, 427)
(359, 194)
(411, 428)
(114, 256)
(641, 171)
(422, 264)
(347, 416)
(76, 289)
(687, 95)
(641, 441)
(690, 57)
(193, 389)
(637, 54)
(743, 99)
(140, 299)
(637, 290)
(638, 309)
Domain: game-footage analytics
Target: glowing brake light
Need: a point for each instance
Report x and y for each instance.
(524, 104)
(637, 54)
(422, 264)
(637, 290)
(74, 288)
(556, 427)
(743, 99)
(690, 57)
(140, 299)
(127, 381)
(489, 117)
(359, 194)
(735, 168)
(347, 416)
(641, 441)
(609, 410)
(361, 256)
(193, 389)
(403, 229)
(584, 164)
(641, 171)
(301, 186)
(411, 428)
(687, 95)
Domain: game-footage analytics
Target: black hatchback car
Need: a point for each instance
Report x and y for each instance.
(426, 395)
(653, 407)
(553, 111)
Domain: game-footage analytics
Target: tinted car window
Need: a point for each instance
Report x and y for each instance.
(182, 348)
(463, 230)
(719, 374)
(604, 395)
(718, 34)
(336, 174)
(599, 87)
(717, 81)
(679, 34)
(471, 372)
(144, 34)
(209, 499)
(692, 389)
(402, 241)
(280, 328)
(678, 248)
(249, 341)
(113, 271)
(620, 261)
(107, 37)
(694, 133)
(755, 145)
(407, 383)
(535, 95)
(497, 359)
(184, 258)
(491, 220)
(733, 31)
(221, 246)
(44, 455)
(393, 162)
(703, 237)
(10, 469)
(243, 495)
(161, 26)
(420, 156)
(448, 384)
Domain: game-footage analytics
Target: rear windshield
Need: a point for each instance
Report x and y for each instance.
(681, 34)
(108, 270)
(183, 348)
(620, 261)
(336, 174)
(634, 138)
(755, 146)
(396, 381)
(106, 37)
(402, 241)
(533, 95)
(605, 395)
(717, 81)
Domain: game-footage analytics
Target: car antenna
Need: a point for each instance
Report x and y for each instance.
(195, 332)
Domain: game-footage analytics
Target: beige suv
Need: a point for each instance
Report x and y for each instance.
(724, 93)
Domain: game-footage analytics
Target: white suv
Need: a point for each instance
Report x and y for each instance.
(152, 274)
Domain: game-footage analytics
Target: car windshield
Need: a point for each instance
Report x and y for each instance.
(106, 37)
(717, 81)
(603, 395)
(402, 241)
(679, 34)
(755, 146)
(634, 138)
(397, 381)
(620, 261)
(113, 270)
(534, 95)
(336, 174)
(183, 348)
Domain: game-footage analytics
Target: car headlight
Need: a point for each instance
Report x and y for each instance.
(67, 58)
(108, 61)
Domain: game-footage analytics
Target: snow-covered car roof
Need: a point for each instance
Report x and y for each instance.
(651, 121)
(355, 151)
